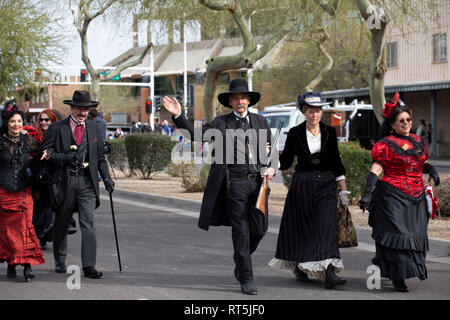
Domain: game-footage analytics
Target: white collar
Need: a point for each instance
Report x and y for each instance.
(76, 122)
(237, 115)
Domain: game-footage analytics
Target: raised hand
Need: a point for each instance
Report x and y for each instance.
(172, 106)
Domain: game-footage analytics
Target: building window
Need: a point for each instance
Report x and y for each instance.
(439, 47)
(391, 55)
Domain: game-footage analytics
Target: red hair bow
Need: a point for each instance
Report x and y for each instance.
(388, 106)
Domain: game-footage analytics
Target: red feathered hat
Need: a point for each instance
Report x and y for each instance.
(389, 106)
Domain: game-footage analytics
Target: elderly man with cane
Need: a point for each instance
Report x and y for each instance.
(236, 174)
(75, 150)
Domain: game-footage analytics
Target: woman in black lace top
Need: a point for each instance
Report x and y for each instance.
(18, 241)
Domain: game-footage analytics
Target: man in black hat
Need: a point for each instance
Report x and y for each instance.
(74, 147)
(236, 173)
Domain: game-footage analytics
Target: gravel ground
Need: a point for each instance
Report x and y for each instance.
(163, 184)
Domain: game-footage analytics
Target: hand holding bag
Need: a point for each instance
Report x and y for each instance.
(346, 231)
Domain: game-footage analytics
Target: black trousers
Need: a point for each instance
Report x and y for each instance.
(80, 196)
(241, 198)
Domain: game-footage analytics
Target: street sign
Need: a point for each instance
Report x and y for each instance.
(116, 78)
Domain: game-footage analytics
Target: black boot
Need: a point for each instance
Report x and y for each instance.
(11, 272)
(27, 273)
(300, 275)
(331, 279)
(400, 286)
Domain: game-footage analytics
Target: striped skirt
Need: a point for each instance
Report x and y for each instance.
(308, 232)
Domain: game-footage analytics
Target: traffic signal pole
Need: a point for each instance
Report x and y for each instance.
(185, 77)
(152, 91)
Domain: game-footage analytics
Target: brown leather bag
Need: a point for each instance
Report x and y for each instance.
(346, 231)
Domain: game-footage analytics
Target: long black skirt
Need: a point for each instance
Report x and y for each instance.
(399, 223)
(308, 226)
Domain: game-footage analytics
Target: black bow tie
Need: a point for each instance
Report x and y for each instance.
(244, 123)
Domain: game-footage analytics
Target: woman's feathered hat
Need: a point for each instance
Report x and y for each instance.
(389, 106)
(9, 109)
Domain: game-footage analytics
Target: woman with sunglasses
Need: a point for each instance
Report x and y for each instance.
(18, 241)
(398, 207)
(43, 215)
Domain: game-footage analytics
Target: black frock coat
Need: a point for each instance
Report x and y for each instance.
(297, 145)
(212, 212)
(58, 138)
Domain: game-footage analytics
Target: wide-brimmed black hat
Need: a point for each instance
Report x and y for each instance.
(81, 99)
(312, 99)
(239, 86)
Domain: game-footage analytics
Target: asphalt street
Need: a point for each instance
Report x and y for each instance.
(165, 256)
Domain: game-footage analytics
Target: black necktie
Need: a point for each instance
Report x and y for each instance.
(244, 123)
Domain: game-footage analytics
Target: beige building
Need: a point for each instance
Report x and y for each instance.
(418, 68)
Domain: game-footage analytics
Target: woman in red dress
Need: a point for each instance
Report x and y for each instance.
(18, 241)
(398, 207)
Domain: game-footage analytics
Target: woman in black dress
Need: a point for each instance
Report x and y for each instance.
(397, 206)
(307, 240)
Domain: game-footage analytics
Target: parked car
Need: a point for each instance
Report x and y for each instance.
(286, 113)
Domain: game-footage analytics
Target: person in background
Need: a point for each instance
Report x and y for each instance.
(18, 242)
(422, 129)
(398, 206)
(166, 129)
(94, 114)
(43, 214)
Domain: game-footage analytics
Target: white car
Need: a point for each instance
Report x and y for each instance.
(288, 114)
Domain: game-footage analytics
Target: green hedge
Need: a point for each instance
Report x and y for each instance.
(117, 158)
(357, 162)
(148, 153)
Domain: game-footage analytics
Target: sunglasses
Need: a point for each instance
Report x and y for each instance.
(44, 119)
(403, 121)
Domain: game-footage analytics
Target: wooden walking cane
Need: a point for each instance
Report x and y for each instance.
(261, 200)
(115, 230)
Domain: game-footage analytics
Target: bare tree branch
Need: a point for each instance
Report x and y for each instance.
(324, 38)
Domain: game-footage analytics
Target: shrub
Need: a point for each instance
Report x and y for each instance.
(148, 153)
(117, 158)
(196, 182)
(443, 195)
(357, 162)
(180, 169)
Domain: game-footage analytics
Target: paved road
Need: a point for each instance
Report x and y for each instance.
(165, 256)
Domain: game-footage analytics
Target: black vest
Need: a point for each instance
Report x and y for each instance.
(83, 154)
(237, 168)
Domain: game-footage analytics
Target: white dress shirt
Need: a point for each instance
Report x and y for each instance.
(315, 144)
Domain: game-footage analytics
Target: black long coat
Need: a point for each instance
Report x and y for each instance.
(213, 207)
(58, 138)
(297, 145)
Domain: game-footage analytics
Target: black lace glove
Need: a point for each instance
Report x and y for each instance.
(432, 173)
(70, 158)
(370, 183)
(109, 185)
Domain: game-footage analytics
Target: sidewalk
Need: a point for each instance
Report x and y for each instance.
(443, 162)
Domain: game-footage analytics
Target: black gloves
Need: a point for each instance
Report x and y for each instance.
(372, 178)
(432, 173)
(109, 185)
(70, 158)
